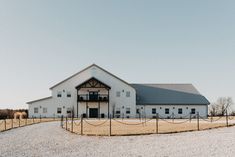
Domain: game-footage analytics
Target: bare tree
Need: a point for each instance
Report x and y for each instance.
(222, 105)
(232, 113)
(212, 109)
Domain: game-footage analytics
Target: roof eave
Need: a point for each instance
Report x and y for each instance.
(30, 102)
(172, 103)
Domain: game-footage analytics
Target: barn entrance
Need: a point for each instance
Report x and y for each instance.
(93, 112)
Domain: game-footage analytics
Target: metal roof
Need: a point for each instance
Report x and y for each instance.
(30, 102)
(150, 94)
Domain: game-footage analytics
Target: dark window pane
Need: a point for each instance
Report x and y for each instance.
(193, 111)
(153, 111)
(167, 111)
(180, 111)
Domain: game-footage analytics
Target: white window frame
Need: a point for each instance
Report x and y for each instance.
(44, 110)
(194, 110)
(138, 111)
(128, 110)
(60, 110)
(118, 94)
(168, 110)
(128, 94)
(59, 94)
(118, 110)
(70, 110)
(69, 95)
(153, 110)
(181, 110)
(35, 110)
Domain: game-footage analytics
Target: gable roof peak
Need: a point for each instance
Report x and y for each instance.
(92, 65)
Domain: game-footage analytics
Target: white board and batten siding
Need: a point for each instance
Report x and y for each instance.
(150, 111)
(122, 98)
(69, 85)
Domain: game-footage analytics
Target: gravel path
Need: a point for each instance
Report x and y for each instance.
(48, 139)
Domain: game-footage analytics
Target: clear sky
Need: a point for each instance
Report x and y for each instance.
(141, 41)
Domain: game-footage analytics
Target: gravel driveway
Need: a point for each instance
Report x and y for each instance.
(48, 139)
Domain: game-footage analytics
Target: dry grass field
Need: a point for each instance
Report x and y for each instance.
(101, 127)
(135, 126)
(15, 123)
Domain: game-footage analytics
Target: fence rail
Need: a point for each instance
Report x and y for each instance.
(158, 125)
(8, 124)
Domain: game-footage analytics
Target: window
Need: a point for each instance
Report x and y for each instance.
(128, 110)
(167, 110)
(68, 95)
(118, 94)
(128, 94)
(68, 110)
(35, 110)
(138, 111)
(59, 94)
(180, 110)
(44, 110)
(118, 111)
(193, 111)
(153, 111)
(59, 110)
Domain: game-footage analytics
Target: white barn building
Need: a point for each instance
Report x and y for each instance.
(96, 93)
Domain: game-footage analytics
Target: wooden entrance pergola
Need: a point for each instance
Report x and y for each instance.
(94, 96)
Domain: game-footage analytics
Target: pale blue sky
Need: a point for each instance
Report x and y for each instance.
(142, 41)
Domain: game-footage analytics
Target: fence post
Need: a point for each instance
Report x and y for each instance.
(19, 122)
(33, 120)
(12, 123)
(5, 124)
(40, 118)
(145, 119)
(157, 123)
(81, 124)
(72, 124)
(62, 121)
(66, 123)
(226, 117)
(173, 116)
(26, 121)
(110, 125)
(190, 117)
(198, 121)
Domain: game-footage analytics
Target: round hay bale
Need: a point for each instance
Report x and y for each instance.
(20, 115)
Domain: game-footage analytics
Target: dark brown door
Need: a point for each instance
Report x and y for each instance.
(93, 112)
